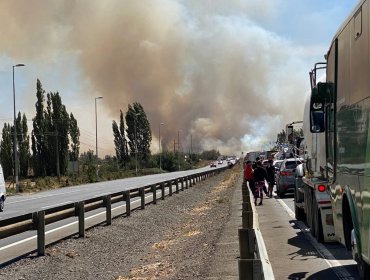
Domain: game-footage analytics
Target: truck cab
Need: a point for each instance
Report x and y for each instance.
(2, 190)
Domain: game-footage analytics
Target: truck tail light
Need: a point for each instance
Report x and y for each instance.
(321, 188)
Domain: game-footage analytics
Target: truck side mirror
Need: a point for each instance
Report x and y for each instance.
(289, 134)
(319, 95)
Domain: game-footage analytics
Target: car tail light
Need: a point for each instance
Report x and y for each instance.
(321, 188)
(285, 173)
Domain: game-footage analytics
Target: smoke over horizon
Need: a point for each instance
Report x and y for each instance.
(204, 68)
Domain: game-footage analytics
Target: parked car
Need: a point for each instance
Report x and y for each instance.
(285, 179)
(277, 164)
(213, 164)
(2, 190)
(220, 161)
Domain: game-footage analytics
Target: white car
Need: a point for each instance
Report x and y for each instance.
(2, 190)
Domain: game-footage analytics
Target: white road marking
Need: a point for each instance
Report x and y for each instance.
(59, 228)
(335, 265)
(41, 196)
(54, 205)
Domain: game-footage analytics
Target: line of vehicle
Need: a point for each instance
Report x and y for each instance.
(334, 264)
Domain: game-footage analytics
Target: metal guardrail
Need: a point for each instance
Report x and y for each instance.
(38, 220)
(254, 263)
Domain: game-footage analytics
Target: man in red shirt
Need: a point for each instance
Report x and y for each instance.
(248, 175)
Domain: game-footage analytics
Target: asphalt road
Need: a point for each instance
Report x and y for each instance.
(293, 251)
(17, 245)
(27, 203)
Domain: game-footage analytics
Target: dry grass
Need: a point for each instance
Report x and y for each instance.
(189, 229)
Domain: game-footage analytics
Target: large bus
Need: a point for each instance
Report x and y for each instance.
(340, 108)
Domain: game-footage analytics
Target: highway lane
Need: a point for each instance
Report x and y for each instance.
(336, 258)
(21, 204)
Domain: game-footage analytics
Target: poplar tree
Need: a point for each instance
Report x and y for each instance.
(74, 132)
(138, 131)
(6, 150)
(23, 140)
(120, 141)
(39, 134)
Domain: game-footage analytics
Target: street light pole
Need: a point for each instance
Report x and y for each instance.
(160, 147)
(136, 115)
(96, 127)
(15, 135)
(178, 146)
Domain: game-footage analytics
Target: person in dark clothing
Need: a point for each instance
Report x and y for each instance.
(254, 167)
(260, 176)
(270, 170)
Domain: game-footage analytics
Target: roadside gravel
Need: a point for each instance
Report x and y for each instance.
(174, 239)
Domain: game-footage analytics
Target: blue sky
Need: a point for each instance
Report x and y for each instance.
(228, 74)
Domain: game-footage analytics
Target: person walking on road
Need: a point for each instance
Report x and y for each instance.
(248, 175)
(254, 167)
(260, 176)
(270, 170)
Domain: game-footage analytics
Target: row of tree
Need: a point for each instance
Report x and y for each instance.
(55, 142)
(133, 137)
(53, 131)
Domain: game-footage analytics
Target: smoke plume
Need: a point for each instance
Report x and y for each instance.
(205, 69)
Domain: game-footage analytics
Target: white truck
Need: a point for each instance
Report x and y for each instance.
(311, 197)
(2, 190)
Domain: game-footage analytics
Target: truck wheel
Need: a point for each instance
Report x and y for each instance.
(1, 204)
(299, 212)
(319, 234)
(317, 224)
(279, 192)
(363, 269)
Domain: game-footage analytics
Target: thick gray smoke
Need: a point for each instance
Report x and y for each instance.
(204, 68)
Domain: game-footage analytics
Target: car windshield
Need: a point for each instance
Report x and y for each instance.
(291, 164)
(277, 164)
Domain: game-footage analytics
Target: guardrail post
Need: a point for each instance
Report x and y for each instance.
(108, 208)
(81, 218)
(154, 192)
(163, 186)
(142, 195)
(41, 233)
(250, 270)
(186, 182)
(177, 185)
(246, 206)
(169, 183)
(247, 219)
(190, 181)
(182, 183)
(247, 243)
(127, 198)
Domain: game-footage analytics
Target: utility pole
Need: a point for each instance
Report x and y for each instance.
(178, 147)
(57, 150)
(15, 146)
